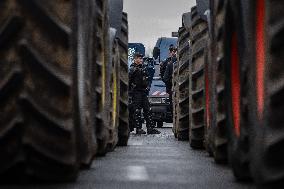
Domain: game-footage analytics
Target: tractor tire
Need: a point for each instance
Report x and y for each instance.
(237, 87)
(123, 128)
(41, 135)
(183, 85)
(267, 107)
(103, 74)
(87, 80)
(217, 139)
(175, 98)
(199, 38)
(208, 103)
(114, 86)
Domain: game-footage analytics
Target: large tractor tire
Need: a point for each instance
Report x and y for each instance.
(235, 47)
(208, 143)
(103, 76)
(266, 97)
(123, 128)
(199, 38)
(46, 122)
(114, 86)
(183, 85)
(175, 97)
(216, 131)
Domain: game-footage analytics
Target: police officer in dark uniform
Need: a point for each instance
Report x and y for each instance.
(138, 91)
(168, 73)
(172, 57)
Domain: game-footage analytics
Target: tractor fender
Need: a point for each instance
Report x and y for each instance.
(186, 20)
(115, 14)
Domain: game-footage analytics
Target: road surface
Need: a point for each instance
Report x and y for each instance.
(152, 161)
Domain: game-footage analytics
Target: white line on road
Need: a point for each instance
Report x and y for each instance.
(137, 173)
(136, 143)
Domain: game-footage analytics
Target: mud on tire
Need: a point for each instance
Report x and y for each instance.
(103, 75)
(216, 137)
(175, 98)
(114, 90)
(123, 128)
(183, 85)
(198, 37)
(41, 132)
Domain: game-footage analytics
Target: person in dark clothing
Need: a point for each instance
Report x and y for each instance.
(138, 91)
(164, 64)
(168, 75)
(163, 67)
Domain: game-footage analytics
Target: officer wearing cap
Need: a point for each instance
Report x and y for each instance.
(138, 91)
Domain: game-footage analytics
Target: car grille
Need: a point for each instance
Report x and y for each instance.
(155, 100)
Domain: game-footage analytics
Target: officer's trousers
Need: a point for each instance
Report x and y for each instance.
(139, 102)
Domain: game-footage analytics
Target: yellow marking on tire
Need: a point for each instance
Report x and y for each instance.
(114, 105)
(103, 78)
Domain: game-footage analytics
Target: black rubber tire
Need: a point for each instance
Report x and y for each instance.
(103, 75)
(267, 136)
(175, 98)
(183, 85)
(208, 102)
(217, 138)
(236, 87)
(160, 124)
(114, 86)
(199, 38)
(41, 135)
(86, 80)
(123, 128)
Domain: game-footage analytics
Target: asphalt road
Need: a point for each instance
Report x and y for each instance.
(153, 161)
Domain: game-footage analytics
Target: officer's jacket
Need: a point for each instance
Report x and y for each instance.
(138, 78)
(163, 67)
(169, 71)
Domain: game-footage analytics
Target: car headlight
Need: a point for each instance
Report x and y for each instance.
(166, 100)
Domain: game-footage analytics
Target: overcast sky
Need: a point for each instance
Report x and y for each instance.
(151, 19)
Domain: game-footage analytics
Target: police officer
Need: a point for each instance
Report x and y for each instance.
(164, 64)
(168, 73)
(138, 90)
